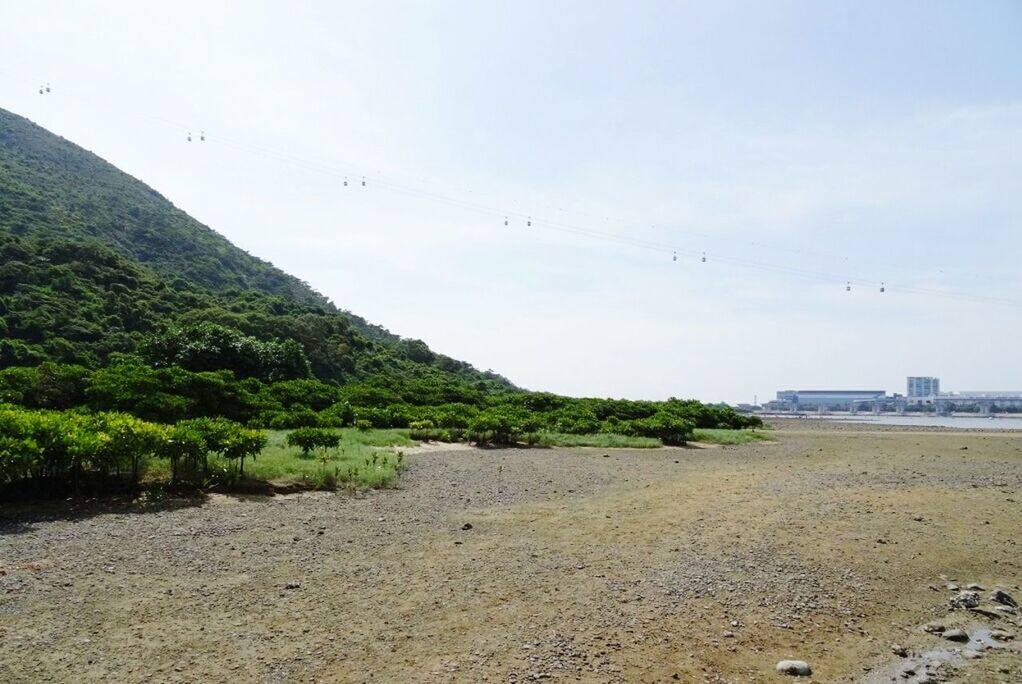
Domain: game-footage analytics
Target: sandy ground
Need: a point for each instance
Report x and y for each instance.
(574, 565)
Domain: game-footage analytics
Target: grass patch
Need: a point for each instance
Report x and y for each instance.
(603, 440)
(721, 436)
(355, 462)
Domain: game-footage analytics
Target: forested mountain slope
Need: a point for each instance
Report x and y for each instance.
(93, 260)
(112, 299)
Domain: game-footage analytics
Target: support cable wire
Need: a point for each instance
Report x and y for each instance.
(530, 218)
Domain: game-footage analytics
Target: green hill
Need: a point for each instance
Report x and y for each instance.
(93, 260)
(112, 299)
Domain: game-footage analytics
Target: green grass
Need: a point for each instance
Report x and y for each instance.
(720, 436)
(355, 462)
(603, 440)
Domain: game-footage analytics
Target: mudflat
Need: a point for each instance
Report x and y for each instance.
(511, 565)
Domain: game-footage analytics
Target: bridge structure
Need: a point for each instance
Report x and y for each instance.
(942, 403)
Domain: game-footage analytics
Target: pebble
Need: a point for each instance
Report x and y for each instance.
(933, 627)
(467, 526)
(797, 668)
(899, 650)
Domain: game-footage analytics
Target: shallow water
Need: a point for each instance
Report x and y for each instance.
(961, 422)
(924, 664)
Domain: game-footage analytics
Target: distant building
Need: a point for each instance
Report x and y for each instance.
(831, 400)
(923, 387)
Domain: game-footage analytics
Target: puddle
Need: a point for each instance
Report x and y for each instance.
(927, 665)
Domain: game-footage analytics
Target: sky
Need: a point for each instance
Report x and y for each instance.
(799, 146)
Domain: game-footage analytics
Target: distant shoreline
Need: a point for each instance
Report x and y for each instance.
(1011, 424)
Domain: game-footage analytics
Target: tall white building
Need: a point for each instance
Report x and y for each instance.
(923, 387)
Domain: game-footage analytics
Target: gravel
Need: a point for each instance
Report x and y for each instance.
(523, 565)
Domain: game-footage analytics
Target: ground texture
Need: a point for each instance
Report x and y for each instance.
(829, 546)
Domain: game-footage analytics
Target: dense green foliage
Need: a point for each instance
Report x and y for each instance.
(114, 301)
(71, 447)
(59, 452)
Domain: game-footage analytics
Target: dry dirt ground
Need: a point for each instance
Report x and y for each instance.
(516, 565)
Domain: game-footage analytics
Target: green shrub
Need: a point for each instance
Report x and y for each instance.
(308, 439)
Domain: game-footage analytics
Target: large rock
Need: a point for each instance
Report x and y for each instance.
(797, 668)
(1003, 597)
(965, 599)
(956, 635)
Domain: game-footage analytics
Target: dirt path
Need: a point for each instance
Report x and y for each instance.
(638, 566)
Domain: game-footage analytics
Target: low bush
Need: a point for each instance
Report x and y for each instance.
(308, 439)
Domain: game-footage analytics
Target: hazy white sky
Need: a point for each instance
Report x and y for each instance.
(866, 141)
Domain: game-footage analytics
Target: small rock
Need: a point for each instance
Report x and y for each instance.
(899, 650)
(467, 526)
(952, 586)
(975, 587)
(293, 585)
(933, 628)
(1003, 597)
(964, 599)
(1001, 635)
(797, 668)
(917, 518)
(956, 635)
(972, 655)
